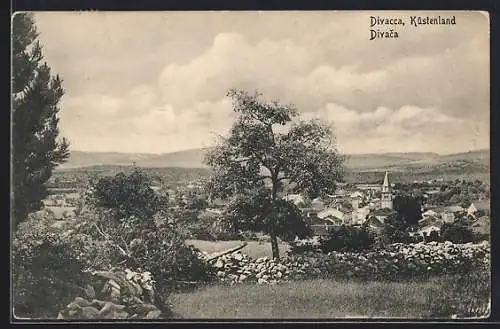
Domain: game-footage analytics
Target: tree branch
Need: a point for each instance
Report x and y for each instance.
(108, 238)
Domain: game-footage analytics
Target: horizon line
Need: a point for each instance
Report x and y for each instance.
(360, 153)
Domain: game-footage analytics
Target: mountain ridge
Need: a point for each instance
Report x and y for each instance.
(193, 158)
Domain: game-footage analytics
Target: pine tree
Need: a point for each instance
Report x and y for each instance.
(36, 148)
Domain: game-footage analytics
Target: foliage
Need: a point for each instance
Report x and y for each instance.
(216, 230)
(408, 208)
(145, 236)
(305, 245)
(457, 232)
(48, 264)
(267, 149)
(256, 212)
(460, 191)
(434, 236)
(395, 229)
(36, 150)
(128, 195)
(117, 294)
(348, 238)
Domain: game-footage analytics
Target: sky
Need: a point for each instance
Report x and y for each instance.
(156, 82)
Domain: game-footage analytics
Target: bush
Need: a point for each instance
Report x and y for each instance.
(146, 238)
(154, 245)
(433, 236)
(215, 230)
(48, 266)
(306, 245)
(348, 238)
(457, 232)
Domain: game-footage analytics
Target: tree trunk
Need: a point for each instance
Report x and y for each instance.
(274, 246)
(274, 192)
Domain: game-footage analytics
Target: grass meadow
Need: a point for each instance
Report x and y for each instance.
(326, 299)
(253, 249)
(435, 298)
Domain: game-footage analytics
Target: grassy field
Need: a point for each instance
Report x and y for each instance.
(254, 249)
(320, 299)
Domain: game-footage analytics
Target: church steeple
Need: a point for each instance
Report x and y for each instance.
(386, 198)
(385, 186)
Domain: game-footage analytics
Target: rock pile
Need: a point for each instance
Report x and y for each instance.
(237, 267)
(395, 261)
(82, 308)
(124, 295)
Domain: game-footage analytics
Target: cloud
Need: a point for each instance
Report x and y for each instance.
(408, 128)
(157, 82)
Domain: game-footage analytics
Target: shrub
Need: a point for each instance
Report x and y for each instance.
(139, 231)
(306, 245)
(348, 238)
(433, 236)
(128, 195)
(215, 230)
(48, 266)
(150, 244)
(457, 232)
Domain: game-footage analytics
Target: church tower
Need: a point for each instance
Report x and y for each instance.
(386, 198)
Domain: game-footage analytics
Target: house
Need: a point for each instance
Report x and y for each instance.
(482, 225)
(426, 230)
(297, 199)
(317, 204)
(356, 194)
(375, 224)
(380, 214)
(454, 209)
(448, 216)
(429, 213)
(359, 215)
(471, 211)
(333, 221)
(331, 213)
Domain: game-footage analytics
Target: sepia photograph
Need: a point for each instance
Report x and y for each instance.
(250, 165)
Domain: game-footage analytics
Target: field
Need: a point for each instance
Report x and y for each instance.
(320, 299)
(254, 249)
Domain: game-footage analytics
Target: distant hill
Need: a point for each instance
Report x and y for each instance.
(358, 162)
(371, 161)
(80, 159)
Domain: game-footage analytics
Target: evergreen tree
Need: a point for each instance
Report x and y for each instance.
(36, 149)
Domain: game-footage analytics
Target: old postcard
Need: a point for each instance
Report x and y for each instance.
(250, 165)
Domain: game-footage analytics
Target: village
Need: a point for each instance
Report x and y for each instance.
(352, 204)
(370, 204)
